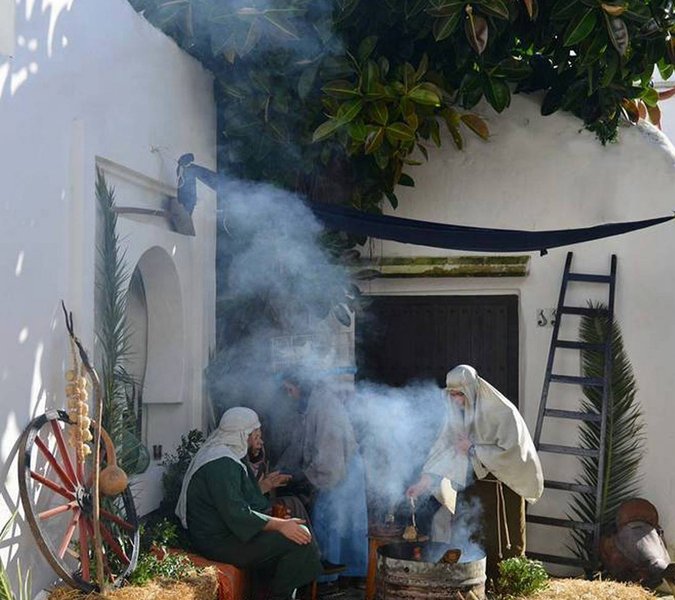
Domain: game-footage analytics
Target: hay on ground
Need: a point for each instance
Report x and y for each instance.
(202, 586)
(582, 589)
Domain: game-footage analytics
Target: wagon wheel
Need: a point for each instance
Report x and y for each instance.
(56, 494)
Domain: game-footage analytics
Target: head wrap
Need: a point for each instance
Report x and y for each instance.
(500, 438)
(229, 440)
(464, 378)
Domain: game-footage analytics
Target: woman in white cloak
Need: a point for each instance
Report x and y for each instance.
(485, 453)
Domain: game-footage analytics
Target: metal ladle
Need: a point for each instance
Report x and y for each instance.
(410, 533)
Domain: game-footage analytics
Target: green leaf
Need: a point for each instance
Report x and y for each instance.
(423, 96)
(366, 48)
(580, 28)
(252, 38)
(371, 76)
(565, 9)
(424, 151)
(665, 69)
(306, 80)
(281, 24)
(408, 76)
(374, 140)
(413, 120)
(400, 132)
(7, 526)
(393, 200)
(456, 137)
(381, 158)
(514, 69)
(448, 8)
(610, 70)
(6, 592)
(452, 117)
(357, 130)
(650, 97)
(618, 33)
(595, 50)
(471, 90)
(422, 67)
(379, 113)
(476, 30)
(325, 130)
(443, 27)
(412, 8)
(497, 92)
(349, 111)
(340, 88)
(494, 8)
(383, 63)
(406, 180)
(377, 91)
(476, 124)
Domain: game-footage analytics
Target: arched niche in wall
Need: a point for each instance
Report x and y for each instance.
(137, 322)
(164, 336)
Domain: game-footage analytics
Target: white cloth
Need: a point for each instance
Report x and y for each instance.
(230, 440)
(500, 437)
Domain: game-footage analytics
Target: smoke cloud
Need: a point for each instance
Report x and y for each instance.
(278, 287)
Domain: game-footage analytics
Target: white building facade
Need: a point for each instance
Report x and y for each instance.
(544, 173)
(92, 85)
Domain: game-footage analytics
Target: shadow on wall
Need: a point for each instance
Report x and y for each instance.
(29, 346)
(39, 39)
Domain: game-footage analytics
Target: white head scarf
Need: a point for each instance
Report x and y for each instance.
(499, 435)
(230, 440)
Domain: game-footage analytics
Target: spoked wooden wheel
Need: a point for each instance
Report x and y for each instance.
(56, 494)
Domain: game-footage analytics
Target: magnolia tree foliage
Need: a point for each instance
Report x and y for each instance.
(336, 98)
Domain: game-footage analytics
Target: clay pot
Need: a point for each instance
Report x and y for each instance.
(637, 509)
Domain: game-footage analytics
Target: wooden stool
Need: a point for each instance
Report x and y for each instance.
(374, 542)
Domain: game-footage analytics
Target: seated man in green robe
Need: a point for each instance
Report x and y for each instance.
(223, 509)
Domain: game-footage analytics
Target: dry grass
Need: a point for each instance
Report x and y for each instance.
(203, 586)
(581, 589)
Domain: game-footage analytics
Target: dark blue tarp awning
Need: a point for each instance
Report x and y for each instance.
(461, 237)
(422, 233)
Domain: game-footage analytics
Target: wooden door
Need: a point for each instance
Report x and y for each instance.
(404, 338)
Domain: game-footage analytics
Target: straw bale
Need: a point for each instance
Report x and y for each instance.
(201, 586)
(582, 589)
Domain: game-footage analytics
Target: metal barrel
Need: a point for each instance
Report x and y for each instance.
(401, 577)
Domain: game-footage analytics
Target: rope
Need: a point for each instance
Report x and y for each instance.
(502, 520)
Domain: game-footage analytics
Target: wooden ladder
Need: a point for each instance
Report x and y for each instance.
(545, 412)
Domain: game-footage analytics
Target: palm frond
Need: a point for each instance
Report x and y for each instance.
(6, 592)
(624, 436)
(5, 589)
(113, 332)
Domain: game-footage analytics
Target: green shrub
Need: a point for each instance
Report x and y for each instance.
(175, 468)
(172, 566)
(520, 577)
(159, 533)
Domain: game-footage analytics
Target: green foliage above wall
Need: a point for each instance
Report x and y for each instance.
(339, 99)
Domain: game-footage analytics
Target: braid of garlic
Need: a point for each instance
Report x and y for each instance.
(78, 408)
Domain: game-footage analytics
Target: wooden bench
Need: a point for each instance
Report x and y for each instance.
(233, 583)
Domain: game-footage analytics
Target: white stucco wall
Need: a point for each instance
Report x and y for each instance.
(543, 173)
(92, 83)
